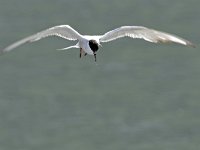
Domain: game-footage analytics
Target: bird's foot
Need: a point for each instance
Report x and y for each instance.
(81, 51)
(95, 57)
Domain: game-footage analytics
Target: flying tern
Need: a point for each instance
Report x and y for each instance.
(89, 44)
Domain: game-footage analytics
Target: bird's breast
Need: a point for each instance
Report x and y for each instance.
(86, 48)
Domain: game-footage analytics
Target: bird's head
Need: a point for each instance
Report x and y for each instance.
(94, 45)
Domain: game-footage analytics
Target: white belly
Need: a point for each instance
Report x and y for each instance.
(86, 48)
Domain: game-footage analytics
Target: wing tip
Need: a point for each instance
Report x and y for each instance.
(190, 44)
(2, 51)
(183, 42)
(6, 49)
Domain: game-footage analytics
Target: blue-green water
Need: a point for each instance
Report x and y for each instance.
(139, 96)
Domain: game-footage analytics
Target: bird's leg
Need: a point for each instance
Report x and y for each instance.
(95, 57)
(81, 51)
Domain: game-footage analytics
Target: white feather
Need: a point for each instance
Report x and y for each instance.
(143, 33)
(67, 32)
(63, 31)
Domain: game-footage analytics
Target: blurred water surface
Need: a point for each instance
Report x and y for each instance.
(138, 96)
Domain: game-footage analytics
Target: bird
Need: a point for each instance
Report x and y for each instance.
(90, 44)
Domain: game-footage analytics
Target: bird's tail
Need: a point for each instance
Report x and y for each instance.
(66, 48)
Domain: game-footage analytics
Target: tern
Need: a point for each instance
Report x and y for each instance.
(89, 44)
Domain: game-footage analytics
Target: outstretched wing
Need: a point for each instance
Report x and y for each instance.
(63, 31)
(143, 33)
